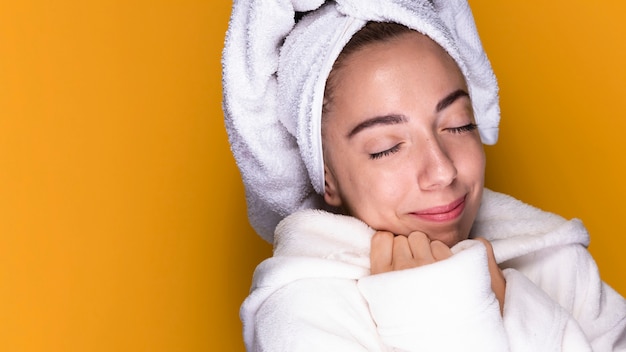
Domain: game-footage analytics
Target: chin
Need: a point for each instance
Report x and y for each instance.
(450, 238)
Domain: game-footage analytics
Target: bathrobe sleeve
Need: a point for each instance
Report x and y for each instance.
(446, 306)
(308, 304)
(316, 315)
(556, 301)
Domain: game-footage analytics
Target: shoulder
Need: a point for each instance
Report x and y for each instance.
(320, 234)
(311, 314)
(517, 229)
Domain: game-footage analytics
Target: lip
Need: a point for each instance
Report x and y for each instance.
(443, 213)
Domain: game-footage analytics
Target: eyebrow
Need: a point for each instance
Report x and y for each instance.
(378, 120)
(397, 119)
(451, 98)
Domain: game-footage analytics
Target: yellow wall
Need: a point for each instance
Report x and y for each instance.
(122, 220)
(562, 78)
(122, 223)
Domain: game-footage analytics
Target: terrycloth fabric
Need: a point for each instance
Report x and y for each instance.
(316, 293)
(274, 75)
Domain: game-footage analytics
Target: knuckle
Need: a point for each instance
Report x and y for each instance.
(382, 236)
(418, 234)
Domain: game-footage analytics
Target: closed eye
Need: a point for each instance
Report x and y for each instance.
(463, 129)
(384, 153)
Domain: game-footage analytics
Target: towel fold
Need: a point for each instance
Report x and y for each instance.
(274, 75)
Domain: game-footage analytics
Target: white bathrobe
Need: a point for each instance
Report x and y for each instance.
(316, 293)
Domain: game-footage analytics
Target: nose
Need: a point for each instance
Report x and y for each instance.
(436, 169)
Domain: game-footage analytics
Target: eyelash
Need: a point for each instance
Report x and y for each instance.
(384, 153)
(467, 128)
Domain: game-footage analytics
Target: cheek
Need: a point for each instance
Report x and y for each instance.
(470, 161)
(365, 188)
(382, 191)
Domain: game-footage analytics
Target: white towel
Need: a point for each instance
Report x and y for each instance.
(275, 71)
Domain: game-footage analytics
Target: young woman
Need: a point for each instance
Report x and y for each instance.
(407, 160)
(408, 251)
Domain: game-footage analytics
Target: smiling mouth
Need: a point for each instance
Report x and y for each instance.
(443, 213)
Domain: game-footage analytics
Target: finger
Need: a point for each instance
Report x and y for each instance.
(489, 247)
(420, 247)
(491, 260)
(498, 282)
(440, 250)
(381, 252)
(402, 255)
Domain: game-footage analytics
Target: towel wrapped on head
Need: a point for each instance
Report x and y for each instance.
(274, 77)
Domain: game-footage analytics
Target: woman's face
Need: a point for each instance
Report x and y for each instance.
(401, 148)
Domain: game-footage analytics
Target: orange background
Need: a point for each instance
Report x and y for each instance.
(122, 219)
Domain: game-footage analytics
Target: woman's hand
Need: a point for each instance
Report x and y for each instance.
(390, 253)
(498, 283)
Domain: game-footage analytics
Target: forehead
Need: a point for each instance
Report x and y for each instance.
(411, 47)
(410, 63)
